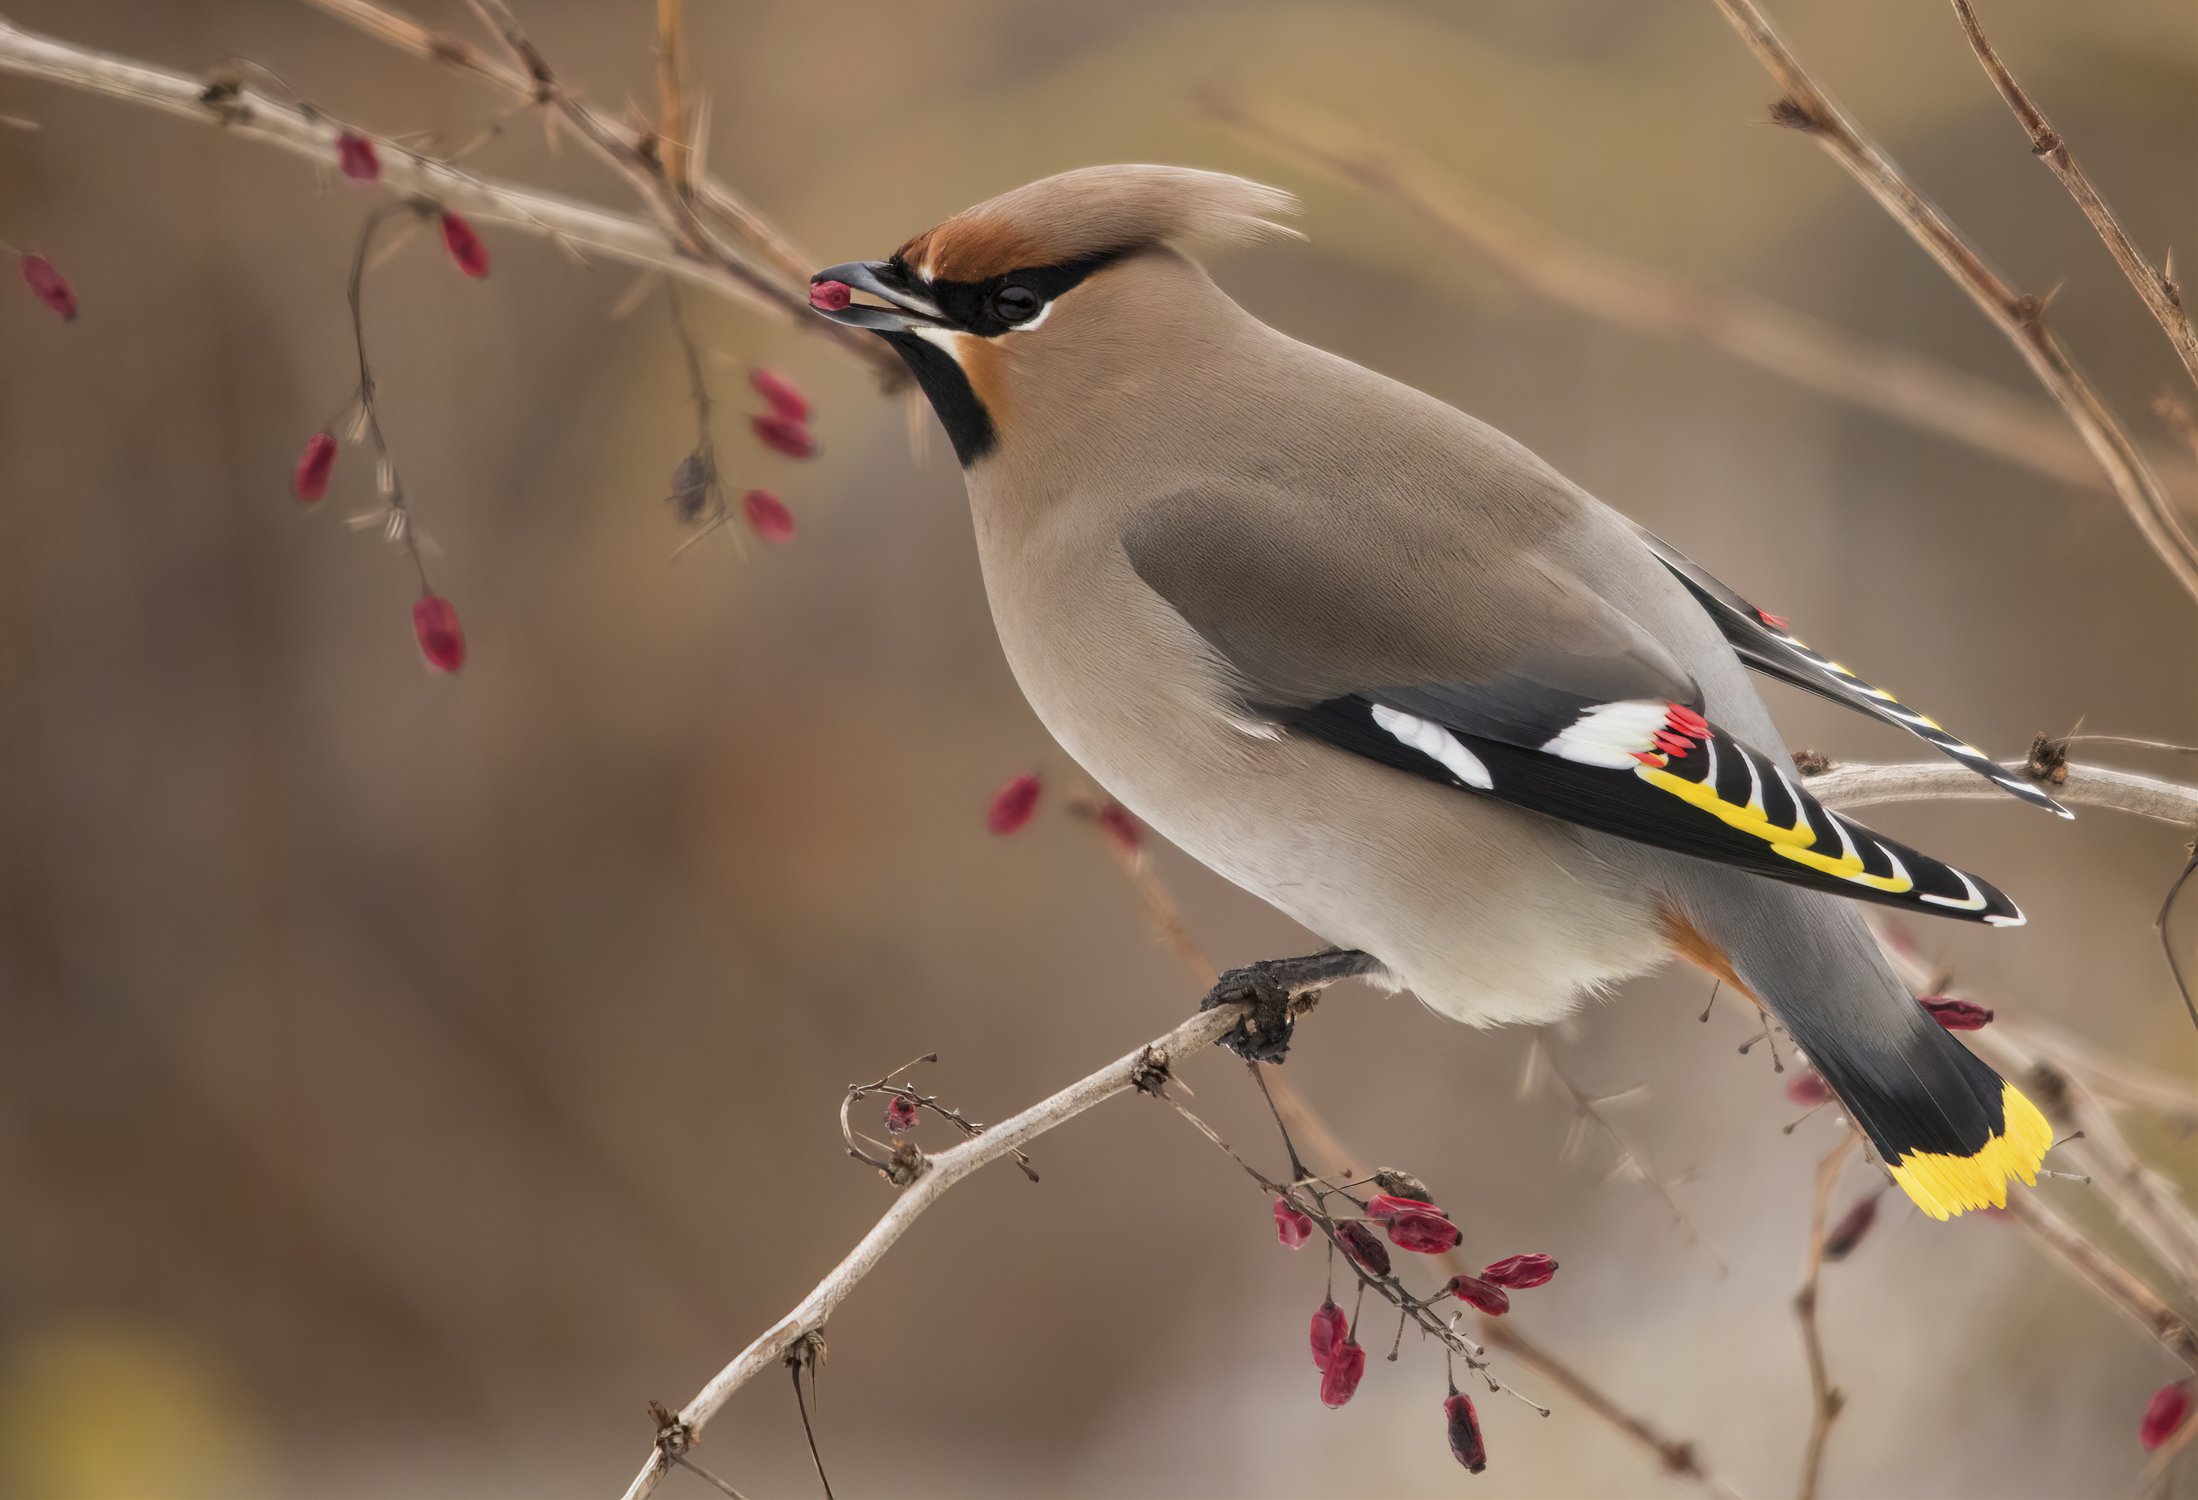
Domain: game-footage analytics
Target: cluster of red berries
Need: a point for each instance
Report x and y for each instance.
(1421, 1227)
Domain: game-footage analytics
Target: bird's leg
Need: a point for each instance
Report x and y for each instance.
(1278, 989)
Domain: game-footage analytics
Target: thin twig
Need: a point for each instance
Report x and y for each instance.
(2151, 282)
(1807, 108)
(1847, 787)
(1828, 1400)
(1895, 383)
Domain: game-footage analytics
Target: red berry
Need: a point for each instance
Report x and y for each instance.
(1359, 1243)
(52, 287)
(1328, 1332)
(1386, 1206)
(1956, 1015)
(2164, 1413)
(1840, 1242)
(1015, 804)
(315, 464)
(1485, 1295)
(767, 516)
(784, 435)
(1808, 1090)
(356, 155)
(1292, 1225)
(1521, 1271)
(464, 245)
(1465, 1432)
(435, 624)
(900, 1114)
(781, 394)
(1120, 825)
(1346, 1367)
(830, 296)
(1422, 1233)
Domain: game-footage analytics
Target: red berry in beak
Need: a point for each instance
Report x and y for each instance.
(465, 246)
(1521, 1271)
(1015, 804)
(315, 464)
(767, 516)
(435, 624)
(780, 394)
(1465, 1432)
(52, 287)
(1346, 1367)
(1329, 1331)
(1292, 1225)
(356, 155)
(830, 296)
(2164, 1413)
(1485, 1295)
(1359, 1243)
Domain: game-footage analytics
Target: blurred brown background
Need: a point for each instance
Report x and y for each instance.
(403, 1078)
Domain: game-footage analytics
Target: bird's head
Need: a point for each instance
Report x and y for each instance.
(1025, 286)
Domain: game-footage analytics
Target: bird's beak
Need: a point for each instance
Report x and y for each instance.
(907, 310)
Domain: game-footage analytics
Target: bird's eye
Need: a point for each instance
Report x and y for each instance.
(1015, 304)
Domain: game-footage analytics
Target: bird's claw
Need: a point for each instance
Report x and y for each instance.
(1263, 1035)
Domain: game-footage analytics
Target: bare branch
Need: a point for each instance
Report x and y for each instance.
(1807, 108)
(1827, 1398)
(1942, 781)
(1910, 388)
(2152, 284)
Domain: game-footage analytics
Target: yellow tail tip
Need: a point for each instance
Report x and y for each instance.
(1944, 1185)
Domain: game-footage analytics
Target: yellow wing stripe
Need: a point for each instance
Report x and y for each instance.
(1944, 1185)
(1794, 843)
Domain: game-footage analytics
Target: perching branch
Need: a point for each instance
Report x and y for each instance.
(2153, 283)
(582, 227)
(1906, 387)
(1847, 787)
(1807, 108)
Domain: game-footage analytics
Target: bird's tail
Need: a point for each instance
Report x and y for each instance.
(1951, 1131)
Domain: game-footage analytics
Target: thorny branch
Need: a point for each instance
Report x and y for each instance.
(1807, 108)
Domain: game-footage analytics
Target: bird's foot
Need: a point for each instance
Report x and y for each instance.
(1278, 990)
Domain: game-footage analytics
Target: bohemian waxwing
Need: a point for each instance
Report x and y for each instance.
(1378, 664)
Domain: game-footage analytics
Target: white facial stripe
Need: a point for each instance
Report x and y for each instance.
(948, 339)
(1436, 742)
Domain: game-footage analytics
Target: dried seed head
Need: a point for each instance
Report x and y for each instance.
(1346, 1367)
(52, 287)
(1015, 804)
(315, 464)
(830, 296)
(435, 625)
(2164, 1413)
(694, 484)
(767, 516)
(1292, 1225)
(1422, 1233)
(1402, 1185)
(1121, 827)
(1808, 1090)
(900, 1114)
(1330, 1328)
(464, 245)
(1956, 1015)
(1485, 1295)
(356, 155)
(780, 394)
(1386, 1206)
(784, 435)
(1465, 1432)
(1359, 1243)
(1841, 1239)
(1521, 1271)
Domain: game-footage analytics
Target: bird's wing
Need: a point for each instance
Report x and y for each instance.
(1516, 682)
(1765, 642)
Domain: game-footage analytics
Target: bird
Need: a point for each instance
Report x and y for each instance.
(1378, 664)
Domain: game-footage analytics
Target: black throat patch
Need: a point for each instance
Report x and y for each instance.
(968, 425)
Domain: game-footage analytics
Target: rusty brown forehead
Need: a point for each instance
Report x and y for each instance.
(971, 247)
